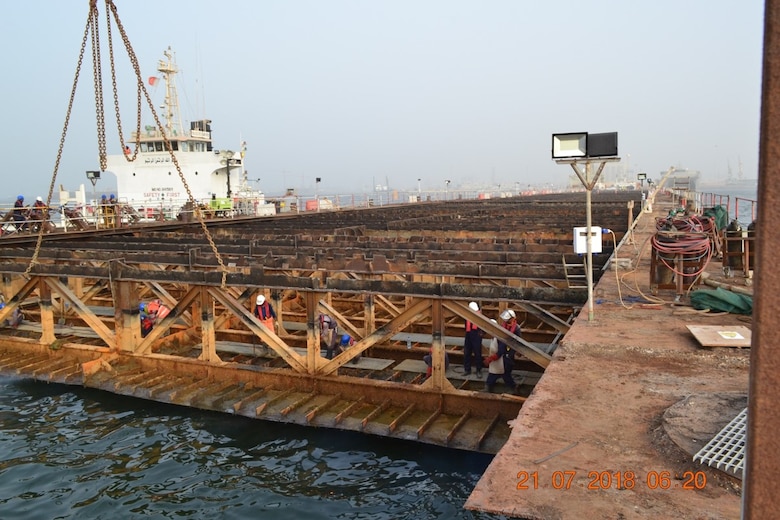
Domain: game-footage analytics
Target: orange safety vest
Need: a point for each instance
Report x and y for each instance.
(263, 313)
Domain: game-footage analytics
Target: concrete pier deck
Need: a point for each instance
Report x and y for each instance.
(610, 429)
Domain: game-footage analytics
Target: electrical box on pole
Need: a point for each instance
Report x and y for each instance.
(581, 240)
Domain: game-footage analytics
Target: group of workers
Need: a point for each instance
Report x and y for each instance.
(330, 338)
(150, 313)
(26, 218)
(108, 208)
(500, 359)
(31, 218)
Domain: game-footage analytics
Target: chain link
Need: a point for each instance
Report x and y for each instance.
(97, 72)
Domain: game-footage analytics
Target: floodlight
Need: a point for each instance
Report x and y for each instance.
(565, 146)
(602, 145)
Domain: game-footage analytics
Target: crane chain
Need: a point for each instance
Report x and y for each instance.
(139, 78)
(39, 241)
(97, 73)
(92, 27)
(122, 143)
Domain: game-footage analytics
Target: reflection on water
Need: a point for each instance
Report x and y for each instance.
(70, 452)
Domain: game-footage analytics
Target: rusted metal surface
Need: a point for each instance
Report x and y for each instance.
(606, 401)
(398, 279)
(762, 463)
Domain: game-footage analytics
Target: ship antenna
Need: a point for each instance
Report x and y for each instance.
(171, 113)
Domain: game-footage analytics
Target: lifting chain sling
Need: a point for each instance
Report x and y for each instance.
(92, 28)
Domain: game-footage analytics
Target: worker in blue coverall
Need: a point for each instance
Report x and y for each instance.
(472, 345)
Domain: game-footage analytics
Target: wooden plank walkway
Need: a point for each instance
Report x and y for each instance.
(456, 372)
(364, 363)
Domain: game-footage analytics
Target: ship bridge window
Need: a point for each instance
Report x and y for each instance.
(158, 146)
(184, 146)
(145, 147)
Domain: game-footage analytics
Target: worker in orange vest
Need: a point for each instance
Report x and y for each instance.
(264, 312)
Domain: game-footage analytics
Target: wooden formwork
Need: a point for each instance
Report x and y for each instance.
(398, 280)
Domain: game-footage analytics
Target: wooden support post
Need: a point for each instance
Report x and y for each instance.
(47, 314)
(208, 338)
(369, 319)
(277, 298)
(437, 345)
(312, 332)
(438, 379)
(127, 317)
(77, 285)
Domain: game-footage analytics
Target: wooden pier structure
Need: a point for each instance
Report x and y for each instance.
(397, 278)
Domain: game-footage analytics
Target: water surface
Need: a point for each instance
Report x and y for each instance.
(71, 452)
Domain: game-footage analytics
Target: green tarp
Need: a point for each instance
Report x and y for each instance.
(722, 300)
(720, 215)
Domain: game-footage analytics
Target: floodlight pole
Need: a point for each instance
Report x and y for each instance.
(588, 223)
(589, 184)
(227, 160)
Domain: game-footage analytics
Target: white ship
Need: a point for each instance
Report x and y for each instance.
(148, 181)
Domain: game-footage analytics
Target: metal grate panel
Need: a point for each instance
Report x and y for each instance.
(726, 451)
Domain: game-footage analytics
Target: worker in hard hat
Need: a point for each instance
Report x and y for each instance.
(501, 360)
(472, 345)
(345, 342)
(20, 214)
(39, 214)
(328, 334)
(264, 312)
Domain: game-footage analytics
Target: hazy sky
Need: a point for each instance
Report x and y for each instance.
(360, 91)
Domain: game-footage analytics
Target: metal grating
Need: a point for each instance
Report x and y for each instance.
(726, 451)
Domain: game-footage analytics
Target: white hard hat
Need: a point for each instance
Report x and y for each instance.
(39, 199)
(260, 299)
(473, 306)
(494, 321)
(507, 315)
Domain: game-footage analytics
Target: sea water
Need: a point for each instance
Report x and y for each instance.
(75, 453)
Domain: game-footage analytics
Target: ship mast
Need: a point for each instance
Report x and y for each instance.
(172, 116)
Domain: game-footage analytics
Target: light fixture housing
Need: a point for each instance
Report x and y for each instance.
(570, 145)
(602, 145)
(574, 145)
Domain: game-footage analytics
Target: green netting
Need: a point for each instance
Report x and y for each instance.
(722, 300)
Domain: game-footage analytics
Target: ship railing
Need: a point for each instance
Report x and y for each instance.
(742, 209)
